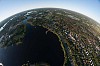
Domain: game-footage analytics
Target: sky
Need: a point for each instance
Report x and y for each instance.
(90, 8)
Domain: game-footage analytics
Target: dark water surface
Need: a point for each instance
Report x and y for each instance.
(38, 46)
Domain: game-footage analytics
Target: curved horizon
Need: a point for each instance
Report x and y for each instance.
(85, 7)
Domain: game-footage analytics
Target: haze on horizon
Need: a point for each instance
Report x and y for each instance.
(90, 8)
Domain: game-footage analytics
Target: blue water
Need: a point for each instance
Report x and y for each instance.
(37, 47)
